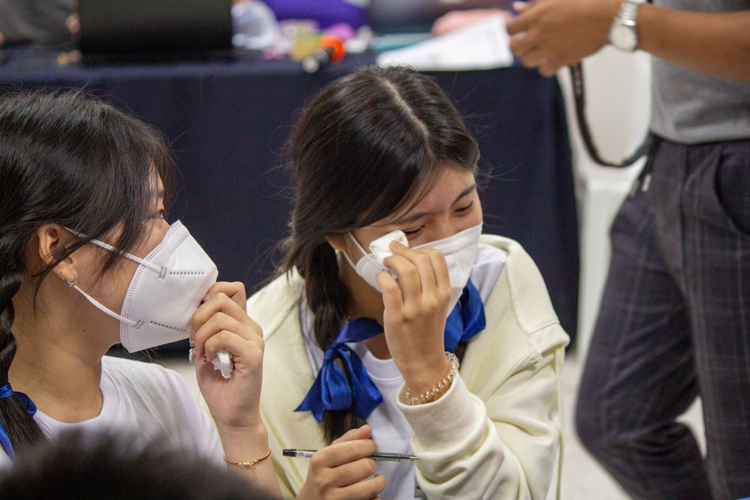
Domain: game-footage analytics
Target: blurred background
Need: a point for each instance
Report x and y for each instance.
(224, 81)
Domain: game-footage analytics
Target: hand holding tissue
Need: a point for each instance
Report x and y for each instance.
(381, 247)
(371, 263)
(223, 362)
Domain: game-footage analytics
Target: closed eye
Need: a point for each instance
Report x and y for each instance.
(161, 214)
(413, 232)
(466, 208)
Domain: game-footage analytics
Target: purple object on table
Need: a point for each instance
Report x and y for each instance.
(342, 30)
(326, 12)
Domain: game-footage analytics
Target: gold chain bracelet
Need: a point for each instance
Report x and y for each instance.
(249, 465)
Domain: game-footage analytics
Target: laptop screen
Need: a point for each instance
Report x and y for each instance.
(155, 26)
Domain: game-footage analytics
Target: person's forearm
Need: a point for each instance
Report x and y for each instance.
(716, 44)
(244, 446)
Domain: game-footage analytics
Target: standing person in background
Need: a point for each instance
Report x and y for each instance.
(675, 317)
(42, 22)
(384, 150)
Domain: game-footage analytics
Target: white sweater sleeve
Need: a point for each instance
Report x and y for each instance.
(502, 448)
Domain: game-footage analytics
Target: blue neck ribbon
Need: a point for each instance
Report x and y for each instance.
(331, 390)
(5, 392)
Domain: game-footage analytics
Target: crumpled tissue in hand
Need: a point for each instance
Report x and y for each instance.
(223, 362)
(380, 247)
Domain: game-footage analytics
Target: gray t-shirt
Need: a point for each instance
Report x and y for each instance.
(36, 21)
(691, 107)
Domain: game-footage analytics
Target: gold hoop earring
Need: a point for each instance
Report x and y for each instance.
(75, 280)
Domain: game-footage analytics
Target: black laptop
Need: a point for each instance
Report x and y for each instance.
(155, 29)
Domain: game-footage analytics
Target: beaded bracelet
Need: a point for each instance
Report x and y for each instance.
(251, 464)
(438, 390)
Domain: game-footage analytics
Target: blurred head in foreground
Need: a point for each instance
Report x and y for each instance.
(102, 467)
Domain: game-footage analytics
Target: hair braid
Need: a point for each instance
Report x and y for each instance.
(20, 426)
(327, 296)
(329, 299)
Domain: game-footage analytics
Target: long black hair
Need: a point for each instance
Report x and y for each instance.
(71, 160)
(369, 144)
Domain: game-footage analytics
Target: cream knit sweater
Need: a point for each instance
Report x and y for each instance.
(494, 435)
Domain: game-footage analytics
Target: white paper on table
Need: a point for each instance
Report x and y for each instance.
(482, 45)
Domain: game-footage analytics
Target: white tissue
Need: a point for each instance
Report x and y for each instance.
(223, 362)
(380, 247)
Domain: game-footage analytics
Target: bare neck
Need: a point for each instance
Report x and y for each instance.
(58, 358)
(366, 303)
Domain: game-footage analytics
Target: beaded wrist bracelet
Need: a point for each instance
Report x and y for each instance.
(438, 390)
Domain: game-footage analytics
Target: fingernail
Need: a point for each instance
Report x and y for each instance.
(205, 359)
(191, 355)
(396, 243)
(205, 299)
(192, 344)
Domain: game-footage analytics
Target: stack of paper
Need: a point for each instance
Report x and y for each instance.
(483, 45)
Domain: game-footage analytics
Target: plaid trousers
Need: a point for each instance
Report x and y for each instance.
(674, 323)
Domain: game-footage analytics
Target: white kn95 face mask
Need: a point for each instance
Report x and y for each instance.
(372, 263)
(165, 291)
(460, 251)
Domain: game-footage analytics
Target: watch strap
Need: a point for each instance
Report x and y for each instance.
(626, 20)
(628, 13)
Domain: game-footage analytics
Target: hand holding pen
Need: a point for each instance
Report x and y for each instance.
(344, 469)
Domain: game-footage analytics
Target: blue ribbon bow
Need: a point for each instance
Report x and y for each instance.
(5, 392)
(331, 391)
(466, 320)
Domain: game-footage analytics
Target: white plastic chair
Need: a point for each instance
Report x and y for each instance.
(618, 100)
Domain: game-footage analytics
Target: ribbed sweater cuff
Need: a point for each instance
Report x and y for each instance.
(445, 422)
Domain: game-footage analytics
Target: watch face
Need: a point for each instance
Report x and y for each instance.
(623, 37)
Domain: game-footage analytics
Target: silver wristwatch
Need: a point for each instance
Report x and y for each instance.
(623, 34)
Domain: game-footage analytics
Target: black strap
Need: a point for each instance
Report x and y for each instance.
(576, 73)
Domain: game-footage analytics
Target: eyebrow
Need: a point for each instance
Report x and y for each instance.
(413, 217)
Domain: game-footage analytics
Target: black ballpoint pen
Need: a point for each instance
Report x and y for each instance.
(380, 457)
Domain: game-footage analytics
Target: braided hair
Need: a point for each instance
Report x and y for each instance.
(74, 161)
(369, 144)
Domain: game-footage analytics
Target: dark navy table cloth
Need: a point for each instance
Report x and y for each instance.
(228, 122)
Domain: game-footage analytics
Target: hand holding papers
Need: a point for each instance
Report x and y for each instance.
(484, 45)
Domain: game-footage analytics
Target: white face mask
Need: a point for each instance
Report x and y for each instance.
(372, 263)
(460, 251)
(165, 291)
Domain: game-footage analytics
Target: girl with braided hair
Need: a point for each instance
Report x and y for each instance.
(87, 260)
(448, 349)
